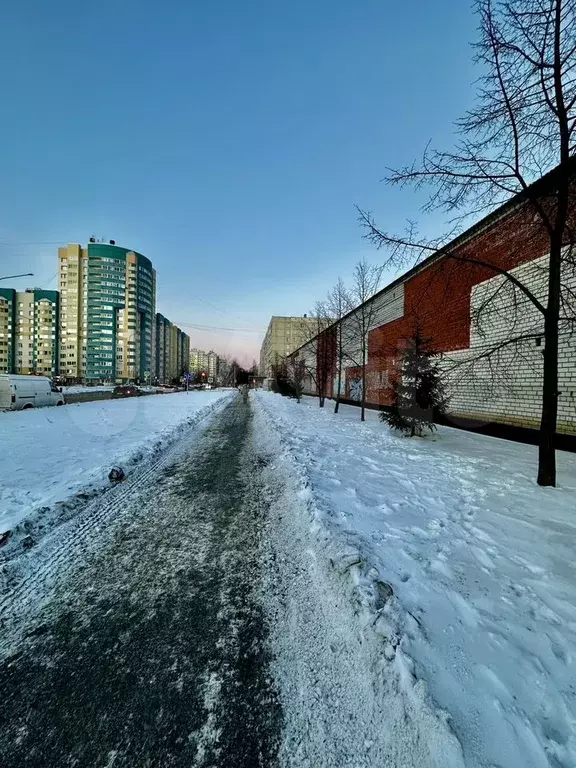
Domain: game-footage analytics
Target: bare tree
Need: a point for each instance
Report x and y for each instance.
(523, 125)
(296, 373)
(317, 339)
(338, 303)
(360, 321)
(228, 373)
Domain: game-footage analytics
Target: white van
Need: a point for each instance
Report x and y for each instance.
(19, 392)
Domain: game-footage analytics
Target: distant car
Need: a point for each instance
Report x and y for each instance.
(127, 390)
(18, 393)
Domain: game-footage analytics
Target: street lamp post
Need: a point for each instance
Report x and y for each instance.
(13, 277)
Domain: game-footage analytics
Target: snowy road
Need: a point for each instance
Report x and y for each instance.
(260, 592)
(155, 653)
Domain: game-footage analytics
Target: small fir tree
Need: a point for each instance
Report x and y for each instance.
(417, 390)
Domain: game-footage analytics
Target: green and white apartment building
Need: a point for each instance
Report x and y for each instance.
(101, 326)
(29, 331)
(107, 313)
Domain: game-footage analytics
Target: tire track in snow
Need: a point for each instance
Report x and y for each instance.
(63, 547)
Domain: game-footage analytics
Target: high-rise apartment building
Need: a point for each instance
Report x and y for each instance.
(283, 336)
(7, 330)
(213, 360)
(161, 349)
(108, 307)
(29, 332)
(183, 351)
(198, 361)
(73, 285)
(204, 362)
(171, 351)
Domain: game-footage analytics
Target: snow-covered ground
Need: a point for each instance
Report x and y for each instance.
(77, 389)
(49, 454)
(480, 561)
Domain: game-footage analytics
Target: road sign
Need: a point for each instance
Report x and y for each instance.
(187, 376)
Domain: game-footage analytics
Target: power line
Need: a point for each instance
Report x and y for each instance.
(219, 309)
(216, 328)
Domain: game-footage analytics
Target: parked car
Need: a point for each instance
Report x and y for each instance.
(127, 390)
(18, 393)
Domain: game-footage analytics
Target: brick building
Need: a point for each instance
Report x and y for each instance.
(489, 332)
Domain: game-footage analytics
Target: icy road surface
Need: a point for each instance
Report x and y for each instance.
(154, 654)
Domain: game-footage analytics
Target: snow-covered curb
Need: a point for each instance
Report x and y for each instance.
(395, 723)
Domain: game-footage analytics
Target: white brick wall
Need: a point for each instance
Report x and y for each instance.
(505, 384)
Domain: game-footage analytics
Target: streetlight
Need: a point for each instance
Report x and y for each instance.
(13, 277)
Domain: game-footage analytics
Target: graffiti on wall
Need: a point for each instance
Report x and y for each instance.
(355, 389)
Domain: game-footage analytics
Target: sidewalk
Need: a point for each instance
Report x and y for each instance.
(481, 562)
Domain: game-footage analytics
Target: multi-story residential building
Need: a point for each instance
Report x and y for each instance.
(73, 285)
(204, 362)
(213, 363)
(29, 331)
(183, 352)
(198, 361)
(173, 359)
(171, 350)
(283, 336)
(7, 330)
(162, 348)
(108, 306)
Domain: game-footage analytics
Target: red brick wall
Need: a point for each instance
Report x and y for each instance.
(326, 353)
(438, 297)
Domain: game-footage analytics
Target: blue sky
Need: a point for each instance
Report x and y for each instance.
(228, 141)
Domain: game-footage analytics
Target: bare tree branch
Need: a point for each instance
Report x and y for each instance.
(522, 126)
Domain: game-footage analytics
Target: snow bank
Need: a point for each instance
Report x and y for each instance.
(49, 454)
(344, 702)
(76, 389)
(480, 561)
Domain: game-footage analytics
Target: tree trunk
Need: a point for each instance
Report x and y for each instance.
(364, 363)
(548, 423)
(363, 404)
(339, 386)
(546, 447)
